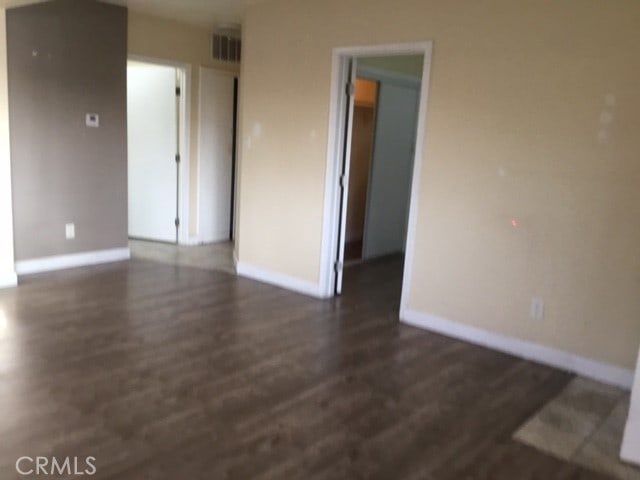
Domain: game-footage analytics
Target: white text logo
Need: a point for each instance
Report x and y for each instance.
(55, 466)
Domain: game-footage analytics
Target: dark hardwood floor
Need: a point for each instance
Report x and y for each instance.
(164, 372)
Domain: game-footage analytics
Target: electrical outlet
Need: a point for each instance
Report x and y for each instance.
(70, 231)
(536, 312)
(92, 120)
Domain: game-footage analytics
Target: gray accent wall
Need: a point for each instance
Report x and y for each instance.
(67, 58)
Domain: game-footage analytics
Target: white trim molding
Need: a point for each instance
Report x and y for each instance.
(600, 371)
(8, 279)
(7, 274)
(280, 280)
(630, 451)
(61, 262)
(631, 442)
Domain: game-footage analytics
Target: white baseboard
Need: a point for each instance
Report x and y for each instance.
(630, 451)
(8, 279)
(600, 371)
(60, 262)
(280, 280)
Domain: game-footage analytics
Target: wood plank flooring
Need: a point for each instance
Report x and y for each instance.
(165, 372)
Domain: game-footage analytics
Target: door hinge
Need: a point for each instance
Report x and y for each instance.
(177, 158)
(351, 89)
(343, 181)
(177, 222)
(338, 266)
(178, 91)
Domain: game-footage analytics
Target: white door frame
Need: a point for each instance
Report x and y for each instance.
(331, 213)
(184, 69)
(231, 75)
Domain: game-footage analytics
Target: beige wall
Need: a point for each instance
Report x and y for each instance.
(534, 114)
(7, 273)
(169, 40)
(64, 172)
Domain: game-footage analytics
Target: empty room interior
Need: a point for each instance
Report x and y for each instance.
(320, 239)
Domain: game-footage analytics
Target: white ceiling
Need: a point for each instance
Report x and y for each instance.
(196, 12)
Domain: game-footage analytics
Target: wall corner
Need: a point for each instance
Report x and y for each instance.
(630, 451)
(7, 269)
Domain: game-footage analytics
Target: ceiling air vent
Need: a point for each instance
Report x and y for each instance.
(226, 44)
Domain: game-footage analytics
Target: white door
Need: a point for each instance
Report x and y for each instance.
(215, 146)
(152, 128)
(344, 177)
(391, 170)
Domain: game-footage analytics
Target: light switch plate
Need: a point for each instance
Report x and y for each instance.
(536, 312)
(92, 120)
(70, 231)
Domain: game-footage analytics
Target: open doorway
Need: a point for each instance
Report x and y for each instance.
(385, 114)
(378, 112)
(362, 143)
(177, 214)
(157, 167)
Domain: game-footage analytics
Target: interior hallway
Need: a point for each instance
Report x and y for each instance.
(165, 373)
(213, 256)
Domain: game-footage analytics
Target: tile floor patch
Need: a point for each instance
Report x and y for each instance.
(583, 424)
(214, 256)
(602, 450)
(558, 429)
(590, 397)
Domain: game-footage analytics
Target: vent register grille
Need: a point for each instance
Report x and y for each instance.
(225, 48)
